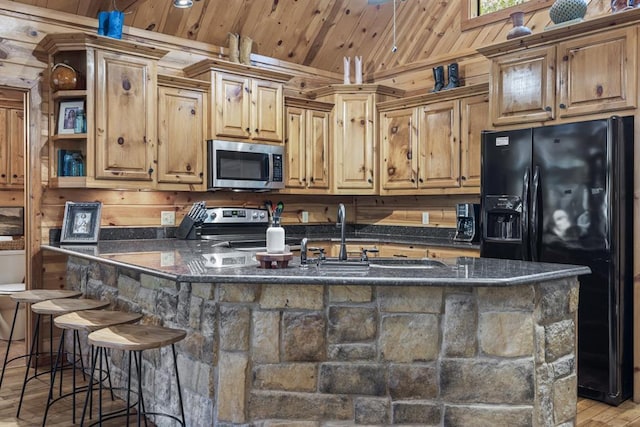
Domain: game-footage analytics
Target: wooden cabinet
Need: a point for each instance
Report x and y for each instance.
(181, 128)
(247, 103)
(355, 135)
(117, 90)
(12, 131)
(125, 117)
(430, 144)
(307, 130)
(474, 118)
(560, 77)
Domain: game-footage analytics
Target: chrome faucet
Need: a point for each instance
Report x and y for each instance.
(342, 220)
(303, 251)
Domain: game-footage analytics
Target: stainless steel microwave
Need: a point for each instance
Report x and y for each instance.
(244, 166)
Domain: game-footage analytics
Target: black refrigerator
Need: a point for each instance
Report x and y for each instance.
(564, 194)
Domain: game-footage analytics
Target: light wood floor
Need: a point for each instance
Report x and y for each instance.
(35, 400)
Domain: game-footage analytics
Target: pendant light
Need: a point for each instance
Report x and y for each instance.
(182, 4)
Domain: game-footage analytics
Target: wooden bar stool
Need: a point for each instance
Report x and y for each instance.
(32, 297)
(88, 321)
(56, 307)
(135, 339)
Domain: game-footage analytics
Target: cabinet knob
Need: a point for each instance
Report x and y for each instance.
(304, 179)
(420, 180)
(14, 175)
(257, 130)
(547, 108)
(562, 106)
(193, 112)
(120, 141)
(464, 178)
(248, 130)
(370, 181)
(311, 179)
(188, 168)
(3, 175)
(413, 180)
(150, 171)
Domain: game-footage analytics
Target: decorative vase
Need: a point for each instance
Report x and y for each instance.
(518, 30)
(567, 10)
(63, 77)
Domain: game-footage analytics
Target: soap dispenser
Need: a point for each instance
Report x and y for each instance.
(275, 237)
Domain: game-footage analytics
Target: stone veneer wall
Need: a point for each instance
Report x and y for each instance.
(272, 355)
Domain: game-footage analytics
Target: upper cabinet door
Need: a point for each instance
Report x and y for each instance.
(597, 73)
(125, 113)
(266, 110)
(232, 105)
(354, 150)
(16, 147)
(317, 148)
(439, 163)
(474, 119)
(180, 135)
(522, 86)
(295, 170)
(399, 149)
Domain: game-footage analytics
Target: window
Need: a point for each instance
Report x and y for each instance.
(477, 13)
(489, 6)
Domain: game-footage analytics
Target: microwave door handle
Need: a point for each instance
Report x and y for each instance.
(526, 256)
(535, 209)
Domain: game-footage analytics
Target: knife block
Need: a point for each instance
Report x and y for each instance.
(189, 229)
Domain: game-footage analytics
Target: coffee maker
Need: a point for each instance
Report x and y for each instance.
(467, 222)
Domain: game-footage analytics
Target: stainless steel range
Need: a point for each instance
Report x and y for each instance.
(239, 228)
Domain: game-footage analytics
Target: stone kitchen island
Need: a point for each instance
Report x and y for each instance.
(480, 342)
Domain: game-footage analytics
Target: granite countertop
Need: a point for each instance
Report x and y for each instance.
(203, 261)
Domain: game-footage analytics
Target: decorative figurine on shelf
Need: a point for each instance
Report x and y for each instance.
(347, 64)
(234, 50)
(567, 10)
(245, 50)
(438, 78)
(358, 70)
(518, 30)
(110, 23)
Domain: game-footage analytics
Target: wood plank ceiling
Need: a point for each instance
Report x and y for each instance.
(316, 33)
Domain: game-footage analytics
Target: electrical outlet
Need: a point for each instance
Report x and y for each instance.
(305, 217)
(167, 218)
(425, 217)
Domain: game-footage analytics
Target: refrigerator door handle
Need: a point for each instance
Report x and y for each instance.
(533, 240)
(526, 256)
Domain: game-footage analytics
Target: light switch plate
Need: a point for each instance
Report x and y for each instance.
(167, 218)
(425, 217)
(305, 217)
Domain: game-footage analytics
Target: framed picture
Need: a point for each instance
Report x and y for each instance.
(11, 221)
(81, 222)
(67, 115)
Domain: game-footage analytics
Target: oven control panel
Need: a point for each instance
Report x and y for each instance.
(236, 216)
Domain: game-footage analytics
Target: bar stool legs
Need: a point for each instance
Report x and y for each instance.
(135, 339)
(6, 354)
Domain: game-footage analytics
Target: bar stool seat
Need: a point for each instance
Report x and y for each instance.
(38, 295)
(86, 320)
(57, 307)
(32, 296)
(135, 339)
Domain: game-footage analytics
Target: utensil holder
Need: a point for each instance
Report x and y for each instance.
(189, 229)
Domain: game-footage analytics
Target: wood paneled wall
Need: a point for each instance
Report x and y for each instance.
(19, 34)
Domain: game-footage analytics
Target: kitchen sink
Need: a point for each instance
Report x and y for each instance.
(405, 263)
